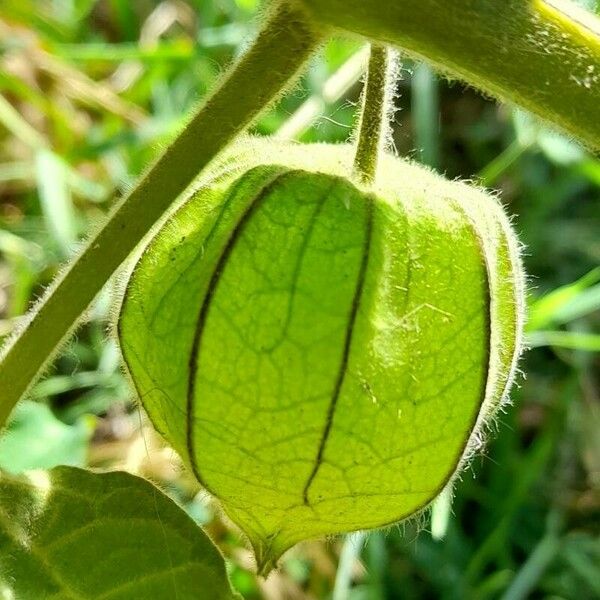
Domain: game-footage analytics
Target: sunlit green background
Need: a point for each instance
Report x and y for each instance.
(91, 90)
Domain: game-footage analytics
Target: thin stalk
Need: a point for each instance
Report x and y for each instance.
(441, 510)
(425, 107)
(538, 562)
(280, 50)
(499, 165)
(351, 550)
(376, 559)
(374, 125)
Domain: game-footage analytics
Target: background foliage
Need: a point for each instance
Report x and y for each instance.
(90, 90)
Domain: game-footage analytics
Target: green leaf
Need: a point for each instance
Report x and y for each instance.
(36, 439)
(69, 534)
(323, 355)
(566, 303)
(573, 340)
(55, 199)
(584, 303)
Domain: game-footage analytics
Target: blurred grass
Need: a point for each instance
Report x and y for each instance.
(90, 90)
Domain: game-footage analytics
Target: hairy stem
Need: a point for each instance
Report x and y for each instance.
(284, 44)
(373, 127)
(531, 52)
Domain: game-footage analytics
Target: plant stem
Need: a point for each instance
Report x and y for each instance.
(526, 51)
(501, 163)
(538, 561)
(281, 48)
(353, 545)
(425, 110)
(373, 128)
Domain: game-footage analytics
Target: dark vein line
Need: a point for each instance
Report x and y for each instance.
(225, 204)
(346, 353)
(194, 358)
(298, 265)
(128, 350)
(486, 367)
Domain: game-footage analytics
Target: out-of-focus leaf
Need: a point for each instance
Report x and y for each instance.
(582, 553)
(170, 51)
(11, 244)
(36, 439)
(584, 303)
(559, 149)
(425, 114)
(565, 339)
(566, 303)
(21, 129)
(15, 171)
(537, 563)
(55, 198)
(64, 383)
